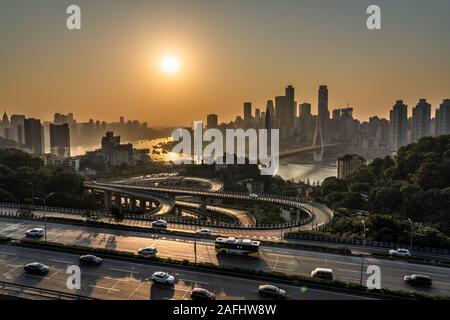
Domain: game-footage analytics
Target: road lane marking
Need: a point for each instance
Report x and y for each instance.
(347, 270)
(60, 261)
(188, 280)
(54, 274)
(104, 288)
(136, 290)
(120, 270)
(8, 254)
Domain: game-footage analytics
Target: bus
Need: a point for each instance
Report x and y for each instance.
(232, 245)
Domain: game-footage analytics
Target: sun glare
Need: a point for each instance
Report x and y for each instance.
(170, 65)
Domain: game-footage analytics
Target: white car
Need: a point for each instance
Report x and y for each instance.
(35, 233)
(148, 251)
(203, 232)
(163, 277)
(253, 196)
(400, 253)
(160, 224)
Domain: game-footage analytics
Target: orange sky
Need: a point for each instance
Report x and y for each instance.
(229, 53)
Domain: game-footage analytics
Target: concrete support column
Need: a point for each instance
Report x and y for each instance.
(118, 201)
(107, 200)
(256, 212)
(132, 204)
(143, 205)
(203, 207)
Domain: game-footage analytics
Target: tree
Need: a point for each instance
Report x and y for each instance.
(333, 184)
(385, 199)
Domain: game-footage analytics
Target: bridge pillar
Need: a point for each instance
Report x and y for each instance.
(118, 201)
(132, 205)
(107, 200)
(143, 205)
(256, 212)
(203, 207)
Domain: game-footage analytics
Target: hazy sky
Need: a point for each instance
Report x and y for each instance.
(230, 51)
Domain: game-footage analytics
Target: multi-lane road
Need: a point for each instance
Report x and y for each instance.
(289, 261)
(124, 280)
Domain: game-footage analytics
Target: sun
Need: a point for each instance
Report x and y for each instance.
(170, 64)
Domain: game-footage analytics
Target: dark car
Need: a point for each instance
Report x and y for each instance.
(91, 260)
(202, 295)
(267, 290)
(36, 268)
(419, 280)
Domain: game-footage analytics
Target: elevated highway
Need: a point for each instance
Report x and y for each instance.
(320, 215)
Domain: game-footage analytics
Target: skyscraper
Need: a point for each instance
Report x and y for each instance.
(5, 127)
(270, 114)
(421, 120)
(323, 112)
(34, 136)
(211, 121)
(290, 113)
(398, 125)
(247, 113)
(17, 128)
(280, 110)
(60, 140)
(443, 118)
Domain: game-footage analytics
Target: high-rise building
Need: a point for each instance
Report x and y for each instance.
(443, 118)
(305, 109)
(248, 113)
(257, 115)
(398, 125)
(306, 122)
(347, 164)
(60, 140)
(34, 136)
(290, 113)
(115, 153)
(323, 112)
(5, 127)
(280, 110)
(212, 121)
(421, 120)
(17, 128)
(268, 120)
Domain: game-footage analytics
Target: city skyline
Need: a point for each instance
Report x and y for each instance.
(113, 63)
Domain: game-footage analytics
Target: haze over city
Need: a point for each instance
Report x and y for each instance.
(170, 63)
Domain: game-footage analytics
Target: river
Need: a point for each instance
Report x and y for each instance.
(289, 171)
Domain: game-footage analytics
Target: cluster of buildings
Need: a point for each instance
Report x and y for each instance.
(89, 133)
(374, 138)
(33, 136)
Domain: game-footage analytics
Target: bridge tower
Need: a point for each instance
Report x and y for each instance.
(318, 134)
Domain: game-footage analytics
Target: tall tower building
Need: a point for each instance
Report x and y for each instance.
(17, 128)
(290, 113)
(60, 140)
(271, 107)
(323, 112)
(280, 110)
(268, 116)
(398, 125)
(443, 118)
(421, 120)
(247, 113)
(5, 127)
(212, 121)
(34, 136)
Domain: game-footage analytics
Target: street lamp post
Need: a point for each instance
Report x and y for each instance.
(45, 213)
(362, 256)
(412, 230)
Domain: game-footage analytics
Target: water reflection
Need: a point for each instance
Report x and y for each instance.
(288, 171)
